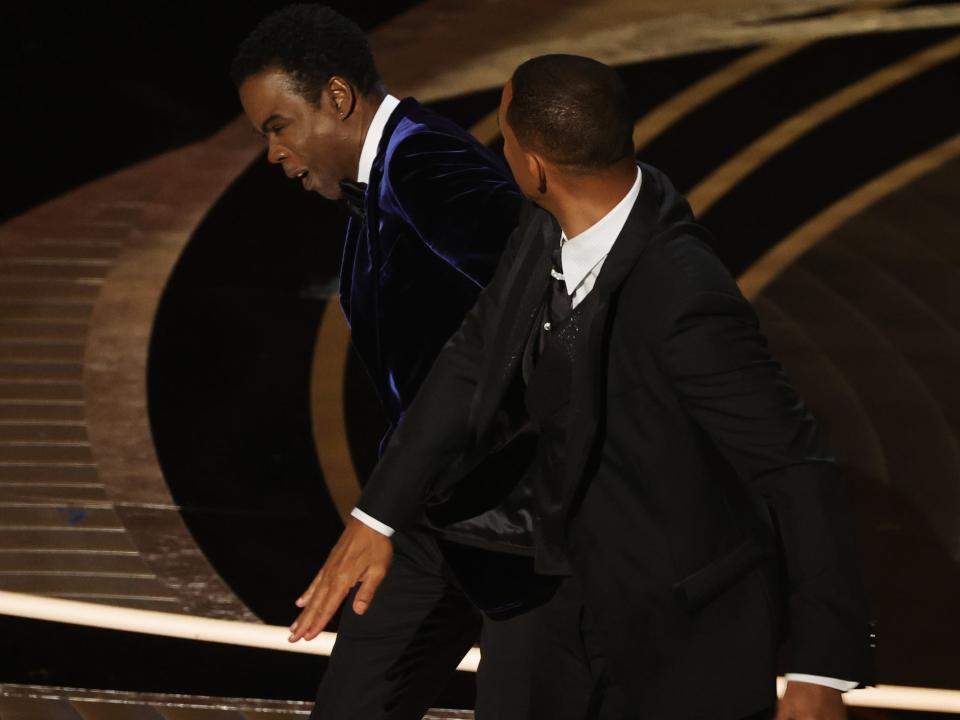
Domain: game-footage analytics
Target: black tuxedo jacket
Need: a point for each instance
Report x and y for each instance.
(701, 508)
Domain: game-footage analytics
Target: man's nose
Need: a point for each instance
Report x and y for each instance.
(276, 153)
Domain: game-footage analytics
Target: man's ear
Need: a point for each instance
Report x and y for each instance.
(537, 170)
(343, 97)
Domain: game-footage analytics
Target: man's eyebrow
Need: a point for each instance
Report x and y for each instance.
(263, 127)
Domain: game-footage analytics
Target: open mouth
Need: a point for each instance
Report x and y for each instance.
(302, 177)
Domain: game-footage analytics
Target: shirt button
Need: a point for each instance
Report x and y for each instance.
(546, 326)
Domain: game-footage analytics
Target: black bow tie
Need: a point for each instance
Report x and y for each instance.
(352, 194)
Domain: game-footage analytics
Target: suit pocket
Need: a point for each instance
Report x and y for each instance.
(698, 588)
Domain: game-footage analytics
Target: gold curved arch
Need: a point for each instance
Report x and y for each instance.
(327, 409)
(728, 175)
(706, 89)
(781, 256)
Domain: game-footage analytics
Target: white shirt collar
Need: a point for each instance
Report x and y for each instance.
(580, 254)
(372, 141)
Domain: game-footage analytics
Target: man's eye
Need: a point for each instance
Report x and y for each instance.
(277, 128)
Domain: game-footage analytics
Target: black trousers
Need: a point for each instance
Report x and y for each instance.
(571, 677)
(393, 661)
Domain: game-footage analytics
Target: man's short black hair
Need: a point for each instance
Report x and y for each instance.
(310, 43)
(573, 109)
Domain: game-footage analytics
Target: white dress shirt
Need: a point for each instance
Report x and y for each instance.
(371, 142)
(582, 258)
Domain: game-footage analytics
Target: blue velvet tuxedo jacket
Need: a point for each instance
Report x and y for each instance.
(439, 209)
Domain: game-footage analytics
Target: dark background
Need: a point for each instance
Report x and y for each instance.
(87, 88)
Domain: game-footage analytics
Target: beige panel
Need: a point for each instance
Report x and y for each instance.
(76, 562)
(50, 351)
(21, 250)
(40, 390)
(194, 713)
(47, 539)
(67, 583)
(38, 432)
(58, 475)
(44, 452)
(92, 273)
(292, 714)
(170, 551)
(16, 328)
(51, 515)
(52, 289)
(41, 412)
(64, 494)
(12, 370)
(44, 311)
(92, 710)
(36, 709)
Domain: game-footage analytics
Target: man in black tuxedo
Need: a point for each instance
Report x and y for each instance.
(684, 496)
(431, 212)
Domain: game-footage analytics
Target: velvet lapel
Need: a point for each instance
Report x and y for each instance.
(525, 288)
(406, 108)
(586, 393)
(360, 262)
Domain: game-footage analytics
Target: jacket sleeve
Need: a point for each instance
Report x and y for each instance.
(435, 431)
(716, 359)
(456, 196)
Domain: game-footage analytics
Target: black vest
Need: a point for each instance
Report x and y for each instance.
(548, 372)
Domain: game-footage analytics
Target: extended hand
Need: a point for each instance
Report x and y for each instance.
(808, 701)
(361, 554)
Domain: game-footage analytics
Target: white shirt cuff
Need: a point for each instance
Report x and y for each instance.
(841, 685)
(371, 523)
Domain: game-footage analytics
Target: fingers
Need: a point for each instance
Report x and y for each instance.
(360, 554)
(368, 588)
(319, 611)
(309, 592)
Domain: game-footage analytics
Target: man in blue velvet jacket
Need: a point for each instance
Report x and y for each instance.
(432, 210)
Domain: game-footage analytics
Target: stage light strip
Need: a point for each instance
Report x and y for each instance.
(174, 625)
(274, 637)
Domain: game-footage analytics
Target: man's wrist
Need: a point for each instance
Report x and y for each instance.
(371, 522)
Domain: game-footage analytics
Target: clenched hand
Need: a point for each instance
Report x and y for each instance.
(360, 555)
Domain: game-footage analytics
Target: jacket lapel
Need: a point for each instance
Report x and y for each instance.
(589, 370)
(360, 262)
(526, 286)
